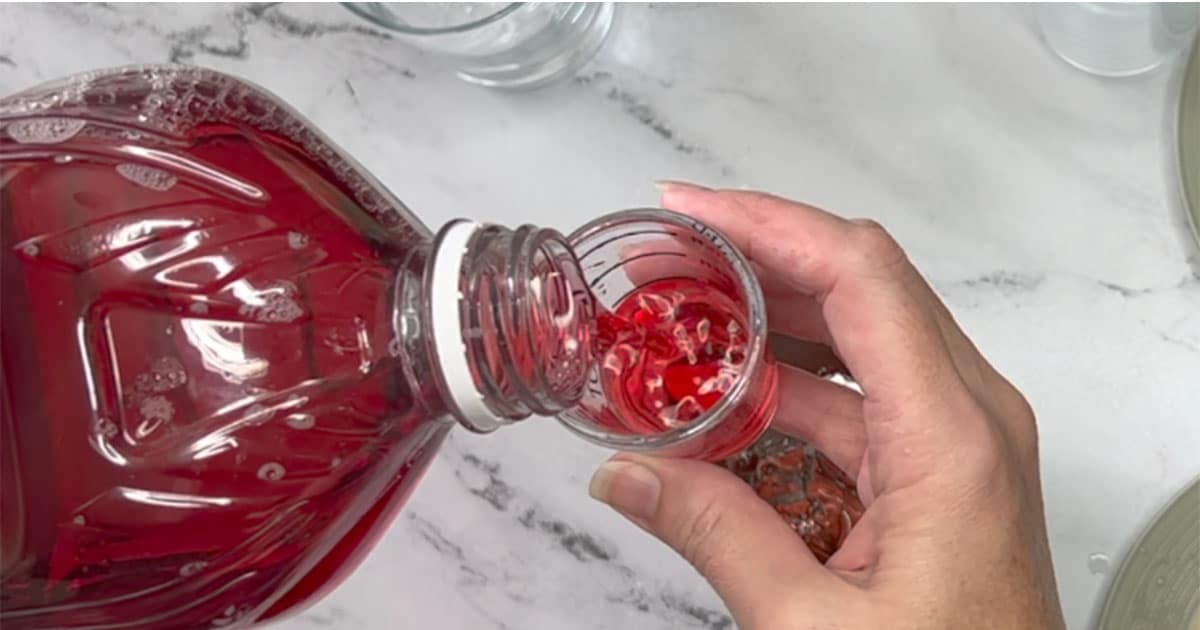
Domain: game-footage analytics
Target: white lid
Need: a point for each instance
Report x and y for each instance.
(447, 326)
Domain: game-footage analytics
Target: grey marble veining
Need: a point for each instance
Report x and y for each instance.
(1040, 201)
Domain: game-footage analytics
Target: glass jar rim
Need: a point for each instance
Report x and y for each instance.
(363, 10)
(757, 323)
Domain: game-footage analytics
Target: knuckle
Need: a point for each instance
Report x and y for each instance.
(1024, 422)
(1003, 455)
(875, 244)
(983, 441)
(1017, 415)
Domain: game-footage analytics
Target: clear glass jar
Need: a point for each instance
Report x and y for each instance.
(1117, 39)
(229, 353)
(506, 45)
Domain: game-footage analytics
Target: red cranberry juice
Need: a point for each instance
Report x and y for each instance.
(203, 421)
(670, 351)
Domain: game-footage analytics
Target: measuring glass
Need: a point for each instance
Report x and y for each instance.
(626, 251)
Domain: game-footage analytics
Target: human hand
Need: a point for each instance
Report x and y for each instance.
(943, 448)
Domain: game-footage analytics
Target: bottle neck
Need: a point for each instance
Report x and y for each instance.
(502, 318)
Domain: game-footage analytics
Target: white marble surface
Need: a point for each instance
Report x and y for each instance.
(1042, 203)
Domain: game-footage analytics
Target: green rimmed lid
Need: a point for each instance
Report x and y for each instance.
(1158, 586)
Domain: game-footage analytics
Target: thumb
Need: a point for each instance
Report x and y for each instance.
(718, 524)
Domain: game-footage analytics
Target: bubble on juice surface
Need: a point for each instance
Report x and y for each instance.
(688, 409)
(620, 357)
(165, 374)
(79, 520)
(275, 302)
(684, 342)
(628, 354)
(735, 355)
(657, 306)
(271, 471)
(64, 158)
(106, 428)
(726, 379)
(683, 412)
(655, 395)
(301, 421)
(297, 240)
(157, 409)
(612, 363)
(147, 176)
(30, 249)
(702, 330)
(192, 568)
(198, 308)
(230, 616)
(805, 526)
(176, 99)
(44, 130)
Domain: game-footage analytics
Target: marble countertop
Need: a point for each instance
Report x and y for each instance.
(1041, 202)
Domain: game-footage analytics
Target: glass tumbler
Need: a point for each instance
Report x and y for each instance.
(1117, 39)
(499, 44)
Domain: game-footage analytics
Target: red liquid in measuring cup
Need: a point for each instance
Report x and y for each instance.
(202, 424)
(670, 351)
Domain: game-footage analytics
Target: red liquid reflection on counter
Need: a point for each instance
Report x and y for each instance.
(202, 424)
(815, 497)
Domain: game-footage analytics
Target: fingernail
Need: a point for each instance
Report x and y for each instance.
(666, 185)
(629, 488)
